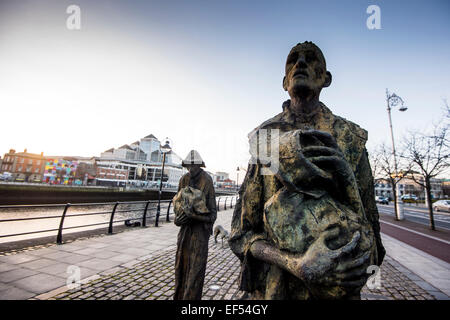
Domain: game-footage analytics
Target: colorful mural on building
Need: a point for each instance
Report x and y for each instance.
(60, 171)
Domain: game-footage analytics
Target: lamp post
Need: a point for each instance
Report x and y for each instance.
(237, 179)
(393, 100)
(164, 149)
(237, 182)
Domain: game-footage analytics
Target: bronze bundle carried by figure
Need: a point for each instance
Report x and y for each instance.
(189, 199)
(295, 219)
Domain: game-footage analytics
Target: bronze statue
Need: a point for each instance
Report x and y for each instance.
(195, 230)
(310, 229)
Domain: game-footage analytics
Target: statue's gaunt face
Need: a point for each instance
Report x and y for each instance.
(305, 71)
(193, 169)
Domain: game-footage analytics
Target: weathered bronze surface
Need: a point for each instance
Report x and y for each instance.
(195, 230)
(310, 230)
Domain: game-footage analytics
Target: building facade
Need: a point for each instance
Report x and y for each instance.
(408, 186)
(24, 166)
(140, 163)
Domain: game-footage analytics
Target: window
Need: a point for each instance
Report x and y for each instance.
(30, 161)
(20, 168)
(21, 160)
(36, 170)
(38, 163)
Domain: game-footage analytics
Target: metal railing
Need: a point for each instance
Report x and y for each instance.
(114, 208)
(117, 207)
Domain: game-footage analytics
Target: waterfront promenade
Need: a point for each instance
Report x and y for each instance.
(139, 264)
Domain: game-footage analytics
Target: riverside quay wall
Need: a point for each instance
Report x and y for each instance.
(14, 194)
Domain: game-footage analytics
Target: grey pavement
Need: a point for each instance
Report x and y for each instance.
(138, 264)
(428, 272)
(27, 274)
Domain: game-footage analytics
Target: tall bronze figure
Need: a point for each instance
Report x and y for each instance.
(195, 228)
(306, 224)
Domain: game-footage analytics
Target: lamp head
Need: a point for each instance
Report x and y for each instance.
(166, 147)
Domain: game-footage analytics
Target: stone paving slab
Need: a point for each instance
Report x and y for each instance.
(93, 256)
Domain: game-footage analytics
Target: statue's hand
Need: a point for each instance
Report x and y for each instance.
(319, 261)
(323, 152)
(180, 220)
(189, 213)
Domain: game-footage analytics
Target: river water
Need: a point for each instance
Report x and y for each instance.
(75, 216)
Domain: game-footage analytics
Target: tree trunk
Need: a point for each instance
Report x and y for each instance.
(429, 202)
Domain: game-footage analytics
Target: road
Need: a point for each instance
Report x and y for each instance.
(419, 215)
(414, 230)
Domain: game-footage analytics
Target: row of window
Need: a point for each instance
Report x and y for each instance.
(22, 160)
(9, 167)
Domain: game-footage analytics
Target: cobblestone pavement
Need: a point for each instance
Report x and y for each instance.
(153, 279)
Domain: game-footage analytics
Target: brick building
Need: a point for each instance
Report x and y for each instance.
(24, 166)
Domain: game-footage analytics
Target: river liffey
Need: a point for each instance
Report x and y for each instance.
(89, 216)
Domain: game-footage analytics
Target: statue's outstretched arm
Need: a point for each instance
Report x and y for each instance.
(318, 264)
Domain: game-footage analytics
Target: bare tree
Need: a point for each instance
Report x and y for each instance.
(429, 155)
(374, 159)
(382, 160)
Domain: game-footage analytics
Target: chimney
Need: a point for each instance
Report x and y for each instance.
(12, 151)
(42, 154)
(25, 150)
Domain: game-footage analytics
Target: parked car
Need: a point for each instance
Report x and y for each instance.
(6, 176)
(409, 197)
(442, 205)
(381, 200)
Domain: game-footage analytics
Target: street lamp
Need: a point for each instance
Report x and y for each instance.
(393, 100)
(164, 149)
(237, 179)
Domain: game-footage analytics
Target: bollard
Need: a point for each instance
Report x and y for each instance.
(168, 212)
(144, 218)
(218, 204)
(61, 223)
(225, 207)
(110, 229)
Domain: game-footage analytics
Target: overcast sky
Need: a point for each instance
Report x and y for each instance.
(205, 73)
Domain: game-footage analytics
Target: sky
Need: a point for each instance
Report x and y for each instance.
(205, 73)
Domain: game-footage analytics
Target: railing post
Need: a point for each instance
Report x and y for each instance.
(61, 224)
(110, 229)
(218, 204)
(168, 211)
(144, 218)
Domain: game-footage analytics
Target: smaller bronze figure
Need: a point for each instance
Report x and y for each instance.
(195, 230)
